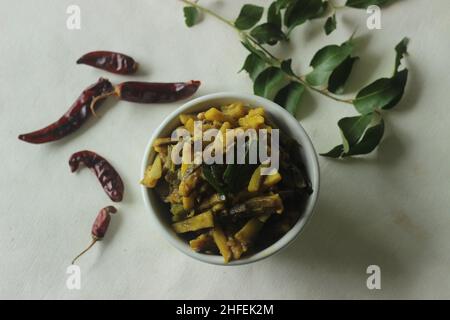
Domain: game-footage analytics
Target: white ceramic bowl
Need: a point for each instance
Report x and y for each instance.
(284, 120)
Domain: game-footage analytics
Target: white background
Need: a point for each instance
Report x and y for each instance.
(390, 209)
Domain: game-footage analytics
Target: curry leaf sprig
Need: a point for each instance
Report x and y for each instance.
(273, 78)
(362, 134)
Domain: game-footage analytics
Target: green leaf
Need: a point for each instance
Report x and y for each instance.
(269, 82)
(190, 16)
(353, 128)
(282, 4)
(401, 50)
(398, 81)
(258, 52)
(369, 142)
(359, 136)
(267, 33)
(299, 11)
(326, 60)
(212, 175)
(290, 96)
(236, 176)
(248, 17)
(340, 75)
(336, 152)
(330, 24)
(274, 15)
(384, 93)
(286, 67)
(363, 4)
(254, 65)
(320, 14)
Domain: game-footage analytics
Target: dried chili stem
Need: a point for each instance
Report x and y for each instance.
(94, 240)
(95, 99)
(99, 228)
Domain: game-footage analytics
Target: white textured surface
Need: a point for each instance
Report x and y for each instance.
(391, 209)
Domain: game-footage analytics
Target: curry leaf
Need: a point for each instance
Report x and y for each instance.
(269, 82)
(190, 16)
(267, 33)
(258, 52)
(248, 17)
(401, 50)
(236, 176)
(320, 14)
(363, 4)
(212, 176)
(282, 4)
(384, 93)
(299, 11)
(330, 24)
(336, 152)
(254, 65)
(353, 128)
(340, 75)
(286, 67)
(274, 15)
(359, 135)
(326, 60)
(371, 139)
(290, 96)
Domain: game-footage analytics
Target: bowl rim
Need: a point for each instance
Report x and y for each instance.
(313, 171)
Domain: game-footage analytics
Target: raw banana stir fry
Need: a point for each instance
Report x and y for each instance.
(229, 208)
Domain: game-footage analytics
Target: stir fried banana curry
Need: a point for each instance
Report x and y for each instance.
(229, 207)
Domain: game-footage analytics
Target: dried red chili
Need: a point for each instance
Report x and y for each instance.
(104, 171)
(83, 107)
(75, 117)
(99, 228)
(154, 92)
(110, 61)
